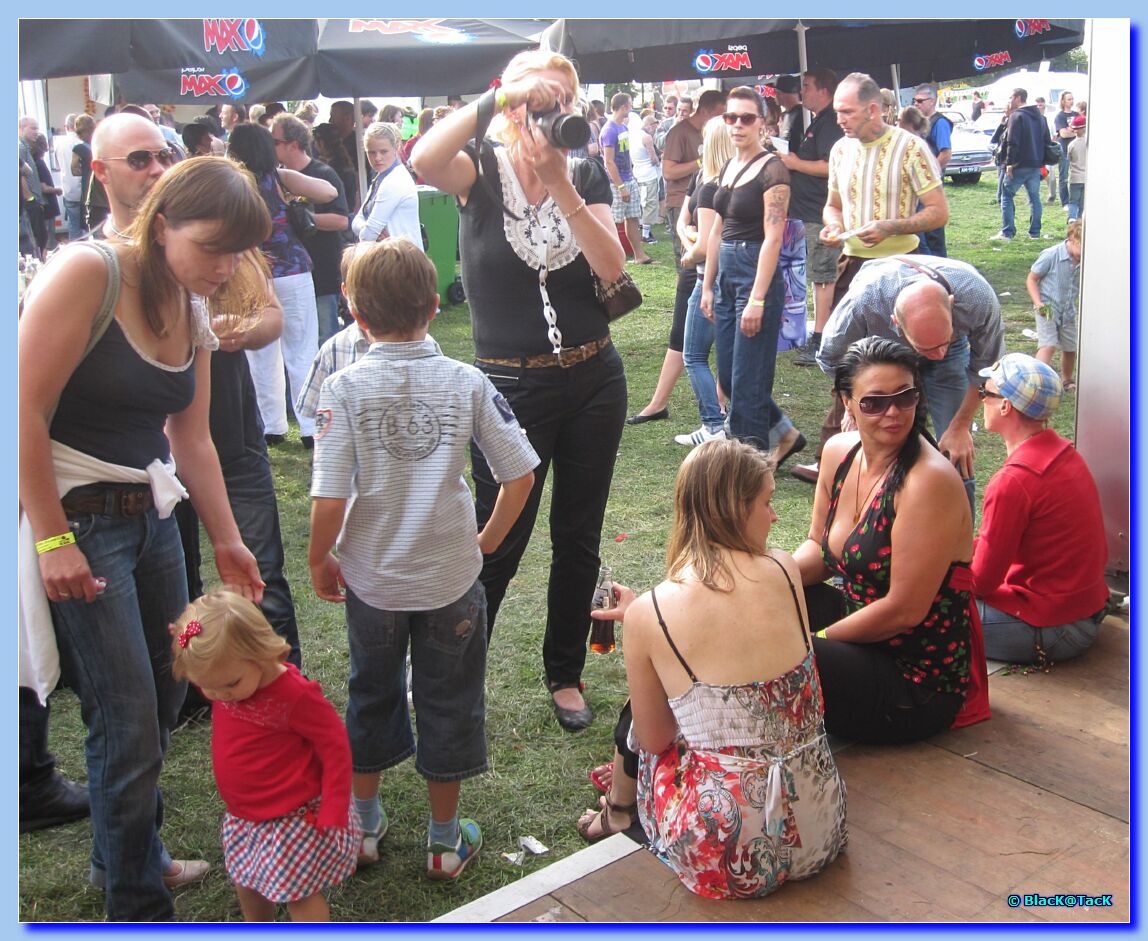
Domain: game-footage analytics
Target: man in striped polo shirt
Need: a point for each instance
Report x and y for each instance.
(878, 175)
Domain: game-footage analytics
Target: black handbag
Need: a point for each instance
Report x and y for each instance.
(1052, 152)
(618, 298)
(300, 215)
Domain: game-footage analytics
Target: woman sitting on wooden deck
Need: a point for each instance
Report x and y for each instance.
(901, 655)
(737, 788)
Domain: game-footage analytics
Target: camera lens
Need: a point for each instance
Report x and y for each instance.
(569, 131)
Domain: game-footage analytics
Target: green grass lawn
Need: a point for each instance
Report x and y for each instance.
(537, 784)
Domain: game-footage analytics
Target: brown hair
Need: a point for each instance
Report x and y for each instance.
(745, 93)
(293, 130)
(230, 628)
(200, 189)
(1074, 232)
(715, 486)
(391, 285)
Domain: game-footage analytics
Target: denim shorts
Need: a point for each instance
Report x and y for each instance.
(448, 661)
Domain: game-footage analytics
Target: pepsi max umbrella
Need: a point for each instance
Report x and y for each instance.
(418, 57)
(936, 50)
(57, 48)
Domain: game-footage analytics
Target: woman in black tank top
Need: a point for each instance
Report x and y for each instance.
(743, 290)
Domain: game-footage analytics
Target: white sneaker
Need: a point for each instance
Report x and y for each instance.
(410, 683)
(701, 436)
(1000, 237)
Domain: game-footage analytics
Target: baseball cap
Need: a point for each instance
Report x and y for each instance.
(790, 84)
(1031, 386)
(1078, 121)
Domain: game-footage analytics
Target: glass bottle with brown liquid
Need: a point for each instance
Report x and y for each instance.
(602, 632)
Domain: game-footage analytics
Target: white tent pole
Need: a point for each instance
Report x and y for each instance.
(895, 72)
(803, 65)
(360, 162)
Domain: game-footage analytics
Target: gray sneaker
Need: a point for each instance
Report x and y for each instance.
(807, 356)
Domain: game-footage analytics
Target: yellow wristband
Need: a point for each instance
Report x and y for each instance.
(755, 302)
(54, 542)
(500, 98)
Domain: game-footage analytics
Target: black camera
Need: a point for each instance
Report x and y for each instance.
(568, 131)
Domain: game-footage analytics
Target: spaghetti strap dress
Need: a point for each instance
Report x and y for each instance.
(749, 796)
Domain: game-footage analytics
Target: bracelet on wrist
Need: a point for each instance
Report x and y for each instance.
(755, 302)
(573, 212)
(55, 542)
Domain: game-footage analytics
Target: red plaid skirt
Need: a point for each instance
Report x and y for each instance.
(288, 858)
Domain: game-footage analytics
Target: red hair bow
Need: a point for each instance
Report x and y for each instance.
(191, 630)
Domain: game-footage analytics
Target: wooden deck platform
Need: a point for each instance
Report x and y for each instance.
(1034, 801)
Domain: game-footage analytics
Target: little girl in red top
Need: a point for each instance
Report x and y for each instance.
(281, 759)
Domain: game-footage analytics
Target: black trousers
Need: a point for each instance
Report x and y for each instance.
(36, 762)
(574, 419)
(866, 697)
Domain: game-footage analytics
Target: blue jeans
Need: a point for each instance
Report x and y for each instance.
(116, 654)
(1063, 176)
(946, 384)
(574, 419)
(448, 664)
(696, 356)
(329, 323)
(1029, 178)
(746, 365)
(74, 213)
(1075, 200)
(1012, 640)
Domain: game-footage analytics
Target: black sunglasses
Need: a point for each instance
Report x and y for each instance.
(918, 101)
(879, 404)
(731, 118)
(986, 394)
(141, 159)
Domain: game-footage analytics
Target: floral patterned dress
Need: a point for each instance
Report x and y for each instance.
(749, 796)
(933, 654)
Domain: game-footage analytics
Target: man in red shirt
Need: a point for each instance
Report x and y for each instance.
(1038, 563)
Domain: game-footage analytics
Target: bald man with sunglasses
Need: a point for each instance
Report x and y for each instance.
(946, 311)
(129, 154)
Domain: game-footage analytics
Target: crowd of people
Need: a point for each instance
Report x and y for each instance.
(178, 326)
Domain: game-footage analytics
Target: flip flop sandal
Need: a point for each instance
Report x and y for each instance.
(602, 776)
(586, 821)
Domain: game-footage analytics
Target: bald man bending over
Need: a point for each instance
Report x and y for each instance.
(946, 311)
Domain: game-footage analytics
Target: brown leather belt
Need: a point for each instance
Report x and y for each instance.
(570, 356)
(108, 500)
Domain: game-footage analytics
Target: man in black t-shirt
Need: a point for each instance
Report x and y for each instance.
(808, 166)
(293, 148)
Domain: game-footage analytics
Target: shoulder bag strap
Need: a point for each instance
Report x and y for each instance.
(927, 270)
(104, 315)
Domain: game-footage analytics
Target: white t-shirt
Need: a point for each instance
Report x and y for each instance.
(62, 145)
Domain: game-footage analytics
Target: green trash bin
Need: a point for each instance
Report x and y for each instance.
(438, 212)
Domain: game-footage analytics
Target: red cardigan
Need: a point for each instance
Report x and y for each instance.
(279, 749)
(1041, 552)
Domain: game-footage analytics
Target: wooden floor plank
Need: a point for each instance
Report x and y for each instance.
(1035, 801)
(1066, 731)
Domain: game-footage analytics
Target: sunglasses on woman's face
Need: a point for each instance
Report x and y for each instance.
(731, 118)
(141, 159)
(879, 404)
